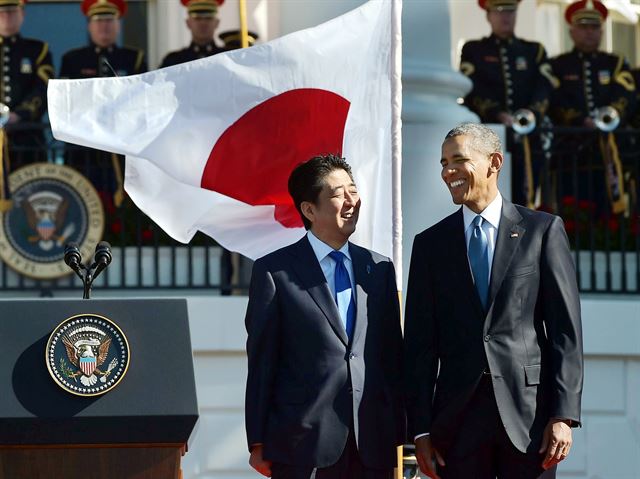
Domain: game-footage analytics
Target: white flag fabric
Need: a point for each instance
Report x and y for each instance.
(210, 144)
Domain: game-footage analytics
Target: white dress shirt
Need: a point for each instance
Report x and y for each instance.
(328, 265)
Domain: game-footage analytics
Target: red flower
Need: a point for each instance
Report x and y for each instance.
(613, 224)
(147, 235)
(586, 205)
(568, 200)
(570, 226)
(116, 227)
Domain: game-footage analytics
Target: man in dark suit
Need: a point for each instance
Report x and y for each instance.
(324, 343)
(493, 337)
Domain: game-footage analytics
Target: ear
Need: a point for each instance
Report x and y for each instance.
(496, 162)
(308, 210)
(216, 23)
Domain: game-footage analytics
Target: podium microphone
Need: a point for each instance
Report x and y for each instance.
(102, 258)
(73, 258)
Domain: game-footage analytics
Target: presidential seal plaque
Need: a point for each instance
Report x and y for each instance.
(52, 205)
(87, 355)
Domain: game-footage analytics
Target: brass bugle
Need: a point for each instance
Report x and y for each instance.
(524, 121)
(606, 118)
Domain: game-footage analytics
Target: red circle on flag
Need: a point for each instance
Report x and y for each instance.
(252, 160)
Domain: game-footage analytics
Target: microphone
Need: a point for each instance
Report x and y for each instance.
(72, 256)
(102, 257)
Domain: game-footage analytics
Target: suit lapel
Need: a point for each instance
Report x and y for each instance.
(460, 260)
(362, 267)
(509, 235)
(309, 271)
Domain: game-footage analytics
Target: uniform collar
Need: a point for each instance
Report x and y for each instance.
(500, 41)
(11, 39)
(208, 47)
(583, 55)
(100, 50)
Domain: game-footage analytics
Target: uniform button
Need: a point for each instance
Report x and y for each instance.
(509, 91)
(7, 88)
(509, 102)
(7, 99)
(503, 51)
(591, 105)
(6, 48)
(352, 355)
(6, 68)
(6, 78)
(587, 64)
(587, 72)
(487, 338)
(507, 74)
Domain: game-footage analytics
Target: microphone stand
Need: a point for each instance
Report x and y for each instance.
(101, 259)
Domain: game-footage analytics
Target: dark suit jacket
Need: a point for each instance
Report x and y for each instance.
(306, 384)
(530, 338)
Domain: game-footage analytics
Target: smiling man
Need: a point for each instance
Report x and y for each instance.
(324, 343)
(493, 341)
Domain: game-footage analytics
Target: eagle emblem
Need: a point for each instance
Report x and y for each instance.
(87, 355)
(46, 212)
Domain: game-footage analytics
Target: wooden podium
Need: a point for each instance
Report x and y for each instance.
(137, 430)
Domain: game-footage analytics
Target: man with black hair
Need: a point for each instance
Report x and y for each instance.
(324, 343)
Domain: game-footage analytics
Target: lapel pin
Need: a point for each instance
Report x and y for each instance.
(368, 269)
(514, 235)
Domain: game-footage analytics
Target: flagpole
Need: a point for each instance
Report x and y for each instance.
(396, 135)
(396, 162)
(244, 30)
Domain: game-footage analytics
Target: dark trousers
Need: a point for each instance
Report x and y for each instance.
(349, 466)
(482, 449)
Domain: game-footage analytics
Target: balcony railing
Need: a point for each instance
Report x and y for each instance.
(572, 168)
(569, 161)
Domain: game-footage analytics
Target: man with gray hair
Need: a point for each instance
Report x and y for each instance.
(493, 336)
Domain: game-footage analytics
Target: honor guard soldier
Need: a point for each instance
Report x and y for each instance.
(589, 78)
(202, 21)
(102, 57)
(26, 67)
(509, 74)
(591, 81)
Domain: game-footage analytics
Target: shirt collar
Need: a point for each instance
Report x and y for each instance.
(322, 249)
(491, 213)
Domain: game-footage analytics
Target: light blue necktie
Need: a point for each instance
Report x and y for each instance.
(343, 294)
(479, 259)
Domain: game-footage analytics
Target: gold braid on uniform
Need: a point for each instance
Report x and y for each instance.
(613, 173)
(467, 68)
(540, 107)
(547, 72)
(5, 193)
(624, 78)
(45, 72)
(139, 59)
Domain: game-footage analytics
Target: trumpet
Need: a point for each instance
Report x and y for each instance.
(524, 121)
(606, 118)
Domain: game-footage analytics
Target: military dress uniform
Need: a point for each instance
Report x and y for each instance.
(26, 68)
(508, 75)
(588, 81)
(196, 9)
(89, 62)
(192, 52)
(103, 169)
(634, 119)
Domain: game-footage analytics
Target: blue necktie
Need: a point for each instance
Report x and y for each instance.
(479, 259)
(343, 294)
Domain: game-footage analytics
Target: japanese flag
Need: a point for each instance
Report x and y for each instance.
(210, 144)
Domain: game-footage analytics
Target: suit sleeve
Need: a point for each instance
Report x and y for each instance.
(262, 322)
(421, 355)
(561, 309)
(393, 351)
